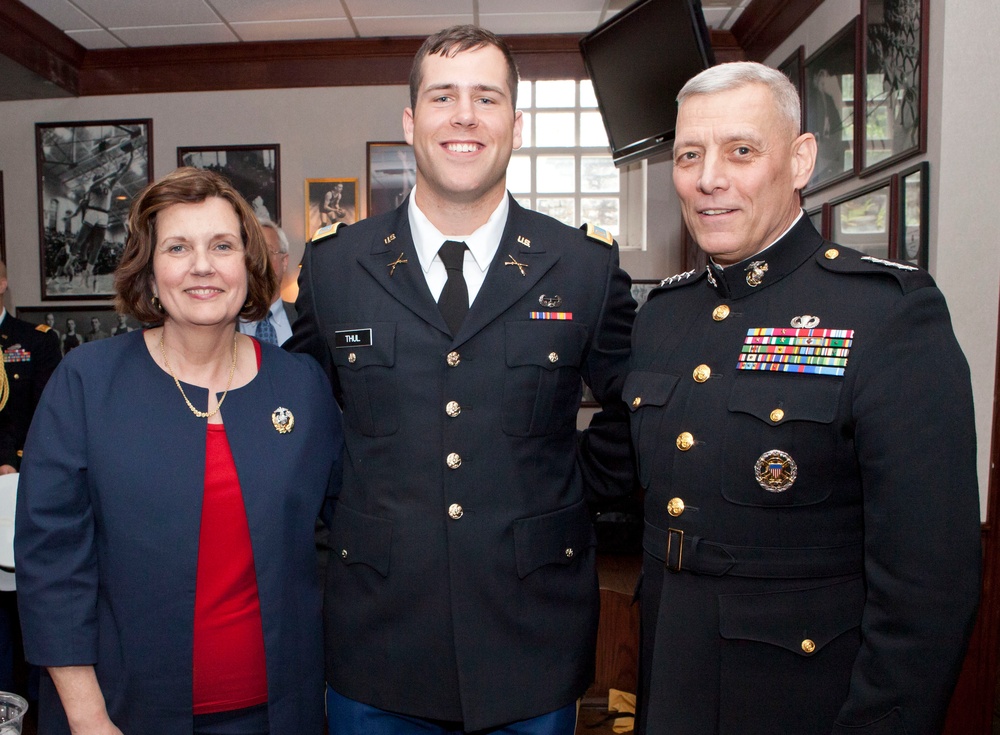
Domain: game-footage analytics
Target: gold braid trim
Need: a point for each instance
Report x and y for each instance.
(4, 383)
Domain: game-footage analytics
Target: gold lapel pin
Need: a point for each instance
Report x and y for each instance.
(282, 420)
(513, 261)
(524, 241)
(398, 261)
(390, 238)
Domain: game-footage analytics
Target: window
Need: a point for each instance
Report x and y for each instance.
(564, 167)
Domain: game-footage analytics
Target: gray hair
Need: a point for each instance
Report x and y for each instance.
(282, 237)
(736, 74)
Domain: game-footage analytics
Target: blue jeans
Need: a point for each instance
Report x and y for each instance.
(347, 717)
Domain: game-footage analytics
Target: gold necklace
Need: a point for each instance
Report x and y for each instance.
(195, 411)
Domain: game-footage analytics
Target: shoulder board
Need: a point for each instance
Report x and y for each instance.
(682, 279)
(845, 260)
(43, 328)
(324, 233)
(599, 234)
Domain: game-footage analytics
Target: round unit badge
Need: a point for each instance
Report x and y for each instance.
(776, 471)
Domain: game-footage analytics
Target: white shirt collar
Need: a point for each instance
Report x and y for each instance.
(787, 230)
(483, 243)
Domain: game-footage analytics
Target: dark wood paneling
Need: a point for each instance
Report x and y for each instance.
(31, 41)
(764, 24)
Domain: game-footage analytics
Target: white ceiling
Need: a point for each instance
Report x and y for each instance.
(98, 24)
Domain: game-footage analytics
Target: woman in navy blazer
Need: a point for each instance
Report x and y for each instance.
(116, 532)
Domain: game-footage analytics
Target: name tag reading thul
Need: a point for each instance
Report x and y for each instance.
(353, 338)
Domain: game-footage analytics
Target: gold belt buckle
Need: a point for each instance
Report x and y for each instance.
(675, 538)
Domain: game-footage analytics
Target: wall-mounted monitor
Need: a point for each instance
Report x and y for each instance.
(638, 61)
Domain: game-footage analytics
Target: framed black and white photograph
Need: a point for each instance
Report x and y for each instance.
(3, 241)
(253, 170)
(88, 173)
(831, 88)
(794, 68)
(640, 290)
(75, 325)
(914, 208)
(392, 172)
(329, 201)
(864, 220)
(895, 81)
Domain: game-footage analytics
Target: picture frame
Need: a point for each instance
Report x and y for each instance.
(3, 225)
(88, 173)
(894, 85)
(391, 172)
(329, 201)
(832, 89)
(865, 219)
(82, 316)
(794, 68)
(253, 170)
(914, 215)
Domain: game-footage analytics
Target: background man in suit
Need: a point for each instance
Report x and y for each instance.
(461, 591)
(277, 328)
(802, 416)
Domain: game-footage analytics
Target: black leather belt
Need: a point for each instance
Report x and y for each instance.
(680, 551)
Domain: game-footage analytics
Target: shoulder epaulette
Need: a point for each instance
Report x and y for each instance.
(598, 234)
(845, 260)
(43, 328)
(324, 233)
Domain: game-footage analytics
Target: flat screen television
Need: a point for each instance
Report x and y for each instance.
(638, 61)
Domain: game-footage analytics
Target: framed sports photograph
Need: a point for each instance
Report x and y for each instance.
(253, 170)
(75, 325)
(895, 81)
(392, 172)
(831, 89)
(794, 68)
(865, 220)
(88, 173)
(329, 201)
(914, 210)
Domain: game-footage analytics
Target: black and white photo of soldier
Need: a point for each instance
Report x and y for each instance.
(90, 172)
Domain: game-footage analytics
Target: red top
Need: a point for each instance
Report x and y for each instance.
(229, 665)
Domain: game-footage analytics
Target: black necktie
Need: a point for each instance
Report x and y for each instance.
(454, 300)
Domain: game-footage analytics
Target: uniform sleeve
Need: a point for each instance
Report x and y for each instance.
(54, 546)
(47, 355)
(606, 446)
(916, 445)
(307, 334)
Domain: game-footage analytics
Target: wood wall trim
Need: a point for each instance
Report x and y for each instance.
(765, 24)
(34, 43)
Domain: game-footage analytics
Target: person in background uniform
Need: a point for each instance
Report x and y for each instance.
(461, 592)
(802, 416)
(96, 330)
(121, 327)
(276, 327)
(30, 354)
(70, 338)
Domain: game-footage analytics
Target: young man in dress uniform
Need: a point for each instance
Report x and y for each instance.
(461, 591)
(802, 416)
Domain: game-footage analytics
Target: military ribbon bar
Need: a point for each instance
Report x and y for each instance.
(810, 351)
(560, 315)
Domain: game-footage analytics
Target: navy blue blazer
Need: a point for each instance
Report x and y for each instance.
(461, 582)
(108, 517)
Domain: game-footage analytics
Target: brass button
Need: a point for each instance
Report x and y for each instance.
(569, 553)
(831, 254)
(455, 511)
(636, 401)
(453, 359)
(702, 373)
(777, 414)
(553, 357)
(675, 507)
(685, 441)
(453, 409)
(808, 646)
(720, 312)
(343, 553)
(16, 376)
(352, 358)
(454, 461)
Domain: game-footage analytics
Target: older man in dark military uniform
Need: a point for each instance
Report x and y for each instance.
(461, 589)
(802, 416)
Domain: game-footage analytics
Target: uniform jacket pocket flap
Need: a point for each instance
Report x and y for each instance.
(800, 397)
(643, 388)
(553, 538)
(549, 344)
(356, 538)
(355, 346)
(801, 621)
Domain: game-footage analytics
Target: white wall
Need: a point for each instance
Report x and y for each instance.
(964, 156)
